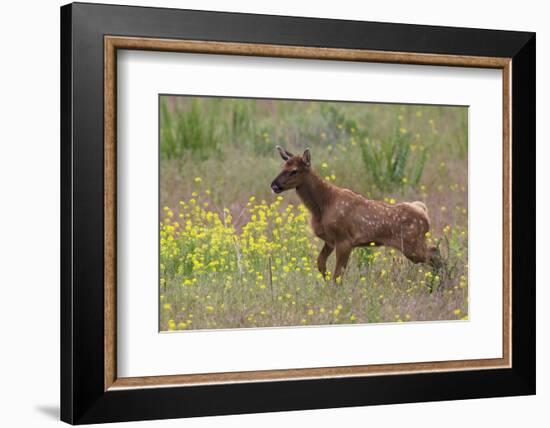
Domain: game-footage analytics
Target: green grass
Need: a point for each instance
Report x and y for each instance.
(193, 129)
(394, 163)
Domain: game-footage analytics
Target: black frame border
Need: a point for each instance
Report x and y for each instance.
(83, 399)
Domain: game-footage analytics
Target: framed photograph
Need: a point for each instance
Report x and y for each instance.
(265, 213)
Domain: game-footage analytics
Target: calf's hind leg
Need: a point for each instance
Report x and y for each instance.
(322, 259)
(419, 252)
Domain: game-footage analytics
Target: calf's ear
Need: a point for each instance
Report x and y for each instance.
(307, 157)
(286, 155)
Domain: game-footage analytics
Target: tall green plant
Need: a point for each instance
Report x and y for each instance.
(391, 163)
(192, 130)
(168, 144)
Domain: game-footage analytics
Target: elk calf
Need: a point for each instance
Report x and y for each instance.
(345, 219)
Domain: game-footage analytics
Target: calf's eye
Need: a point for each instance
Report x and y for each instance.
(293, 172)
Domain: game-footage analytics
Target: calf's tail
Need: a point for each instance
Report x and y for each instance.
(421, 205)
(422, 209)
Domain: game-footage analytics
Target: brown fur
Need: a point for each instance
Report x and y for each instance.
(345, 219)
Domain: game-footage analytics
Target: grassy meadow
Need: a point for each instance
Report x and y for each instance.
(235, 255)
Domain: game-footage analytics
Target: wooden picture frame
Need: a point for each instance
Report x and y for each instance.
(91, 390)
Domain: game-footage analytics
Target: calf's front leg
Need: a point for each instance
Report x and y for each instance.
(343, 250)
(322, 259)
